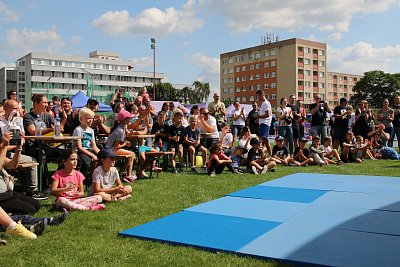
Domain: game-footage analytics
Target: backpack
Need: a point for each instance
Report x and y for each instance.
(389, 153)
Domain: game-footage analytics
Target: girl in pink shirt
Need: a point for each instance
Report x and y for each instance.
(67, 186)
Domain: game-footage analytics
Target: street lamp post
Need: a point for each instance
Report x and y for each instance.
(153, 47)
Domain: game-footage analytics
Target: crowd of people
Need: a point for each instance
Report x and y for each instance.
(202, 140)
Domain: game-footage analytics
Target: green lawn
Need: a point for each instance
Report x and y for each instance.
(90, 238)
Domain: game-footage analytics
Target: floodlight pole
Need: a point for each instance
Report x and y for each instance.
(153, 47)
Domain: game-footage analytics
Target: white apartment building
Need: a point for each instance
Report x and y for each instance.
(63, 75)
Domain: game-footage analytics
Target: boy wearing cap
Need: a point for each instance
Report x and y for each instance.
(280, 152)
(117, 142)
(106, 176)
(87, 148)
(257, 160)
(302, 154)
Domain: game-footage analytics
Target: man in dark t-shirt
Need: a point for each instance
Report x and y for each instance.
(252, 121)
(295, 122)
(319, 111)
(341, 125)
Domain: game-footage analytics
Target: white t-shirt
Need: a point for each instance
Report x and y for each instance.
(228, 139)
(286, 110)
(264, 107)
(106, 180)
(212, 122)
(240, 120)
(4, 124)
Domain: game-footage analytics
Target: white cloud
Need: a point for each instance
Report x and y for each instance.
(7, 14)
(152, 21)
(335, 37)
(20, 42)
(76, 39)
(142, 62)
(362, 57)
(332, 16)
(209, 70)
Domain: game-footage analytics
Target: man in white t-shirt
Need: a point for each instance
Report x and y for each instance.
(264, 120)
(208, 127)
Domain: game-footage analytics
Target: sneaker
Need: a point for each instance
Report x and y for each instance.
(20, 231)
(98, 207)
(194, 170)
(129, 179)
(38, 228)
(174, 171)
(212, 174)
(265, 169)
(3, 242)
(39, 196)
(254, 169)
(236, 171)
(57, 220)
(157, 169)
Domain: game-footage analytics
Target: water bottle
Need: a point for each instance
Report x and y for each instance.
(57, 126)
(38, 126)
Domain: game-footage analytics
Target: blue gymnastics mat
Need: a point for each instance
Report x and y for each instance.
(335, 220)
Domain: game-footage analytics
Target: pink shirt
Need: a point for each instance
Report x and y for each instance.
(63, 179)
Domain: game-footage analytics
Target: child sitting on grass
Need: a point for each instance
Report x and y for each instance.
(117, 142)
(363, 149)
(87, 148)
(280, 153)
(302, 154)
(237, 158)
(218, 160)
(106, 176)
(67, 186)
(257, 160)
(349, 153)
(317, 154)
(330, 153)
(191, 141)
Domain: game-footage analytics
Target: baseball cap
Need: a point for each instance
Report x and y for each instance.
(254, 141)
(90, 100)
(279, 138)
(123, 114)
(240, 147)
(343, 99)
(303, 139)
(106, 153)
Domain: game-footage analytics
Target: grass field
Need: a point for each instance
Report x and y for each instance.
(90, 238)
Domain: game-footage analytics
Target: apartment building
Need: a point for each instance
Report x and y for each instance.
(63, 75)
(293, 66)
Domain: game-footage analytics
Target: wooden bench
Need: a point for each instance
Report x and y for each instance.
(154, 156)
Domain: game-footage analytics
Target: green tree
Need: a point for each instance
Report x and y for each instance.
(375, 86)
(202, 91)
(164, 92)
(227, 102)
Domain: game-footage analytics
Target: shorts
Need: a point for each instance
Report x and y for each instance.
(176, 147)
(339, 134)
(236, 129)
(264, 130)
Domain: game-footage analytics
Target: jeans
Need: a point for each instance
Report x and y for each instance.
(287, 132)
(320, 130)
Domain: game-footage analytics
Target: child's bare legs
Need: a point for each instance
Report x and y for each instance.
(180, 154)
(309, 161)
(271, 164)
(276, 160)
(369, 154)
(79, 203)
(335, 154)
(346, 151)
(254, 163)
(329, 161)
(130, 162)
(192, 151)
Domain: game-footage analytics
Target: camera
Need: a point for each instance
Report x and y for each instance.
(16, 137)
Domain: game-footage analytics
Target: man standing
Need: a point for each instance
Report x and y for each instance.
(252, 121)
(217, 110)
(295, 122)
(264, 120)
(319, 115)
(341, 124)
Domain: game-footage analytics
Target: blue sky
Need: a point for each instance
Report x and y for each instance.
(361, 34)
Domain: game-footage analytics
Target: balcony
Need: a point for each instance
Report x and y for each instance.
(315, 67)
(300, 98)
(300, 76)
(300, 87)
(315, 78)
(300, 53)
(315, 89)
(315, 56)
(300, 64)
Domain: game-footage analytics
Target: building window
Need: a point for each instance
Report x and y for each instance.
(230, 90)
(225, 71)
(267, 53)
(238, 98)
(321, 63)
(307, 61)
(251, 56)
(321, 85)
(243, 78)
(340, 78)
(266, 64)
(237, 89)
(251, 77)
(258, 55)
(330, 76)
(273, 74)
(273, 52)
(321, 52)
(237, 69)
(251, 67)
(273, 63)
(257, 66)
(266, 75)
(244, 99)
(243, 88)
(257, 87)
(273, 85)
(307, 84)
(307, 95)
(237, 58)
(251, 87)
(225, 80)
(266, 85)
(230, 60)
(230, 70)
(243, 57)
(225, 90)
(321, 74)
(251, 98)
(237, 79)
(273, 96)
(307, 50)
(243, 68)
(258, 76)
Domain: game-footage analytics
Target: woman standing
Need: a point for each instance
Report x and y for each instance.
(386, 117)
(239, 120)
(285, 117)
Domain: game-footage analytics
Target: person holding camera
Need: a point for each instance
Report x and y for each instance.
(284, 116)
(361, 126)
(319, 115)
(31, 174)
(342, 114)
